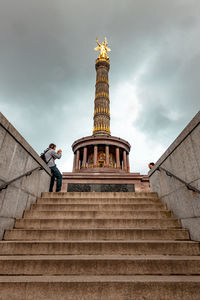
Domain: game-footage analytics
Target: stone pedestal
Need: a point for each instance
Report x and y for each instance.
(101, 179)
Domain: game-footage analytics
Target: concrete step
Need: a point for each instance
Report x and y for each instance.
(99, 287)
(36, 214)
(99, 207)
(99, 265)
(99, 247)
(98, 200)
(107, 195)
(96, 223)
(97, 234)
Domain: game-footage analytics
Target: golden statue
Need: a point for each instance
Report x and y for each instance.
(102, 48)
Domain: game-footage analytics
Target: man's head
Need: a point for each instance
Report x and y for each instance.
(52, 146)
(151, 164)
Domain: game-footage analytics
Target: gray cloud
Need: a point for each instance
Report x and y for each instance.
(47, 73)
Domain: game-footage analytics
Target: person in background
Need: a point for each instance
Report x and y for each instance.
(150, 165)
(50, 156)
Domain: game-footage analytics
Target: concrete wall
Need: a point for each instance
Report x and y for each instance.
(16, 158)
(182, 159)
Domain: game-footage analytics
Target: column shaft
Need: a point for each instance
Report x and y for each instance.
(107, 156)
(117, 158)
(95, 155)
(84, 157)
(128, 163)
(124, 161)
(77, 159)
(101, 103)
(74, 163)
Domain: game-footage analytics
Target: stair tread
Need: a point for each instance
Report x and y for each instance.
(117, 203)
(103, 241)
(98, 229)
(98, 220)
(98, 207)
(102, 257)
(97, 211)
(103, 278)
(104, 204)
(102, 211)
(90, 197)
(98, 194)
(98, 201)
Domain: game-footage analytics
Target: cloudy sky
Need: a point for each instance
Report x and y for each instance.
(47, 72)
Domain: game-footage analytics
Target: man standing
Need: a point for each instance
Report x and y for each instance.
(50, 156)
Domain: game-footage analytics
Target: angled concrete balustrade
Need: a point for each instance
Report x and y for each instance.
(182, 159)
(16, 158)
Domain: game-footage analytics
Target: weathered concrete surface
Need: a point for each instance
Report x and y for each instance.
(140, 182)
(16, 158)
(182, 159)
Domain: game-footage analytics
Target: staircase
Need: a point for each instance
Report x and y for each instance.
(105, 246)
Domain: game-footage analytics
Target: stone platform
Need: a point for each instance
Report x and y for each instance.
(92, 180)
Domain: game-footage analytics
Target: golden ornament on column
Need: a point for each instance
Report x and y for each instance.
(102, 48)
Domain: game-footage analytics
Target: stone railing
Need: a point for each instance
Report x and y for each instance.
(17, 158)
(182, 160)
